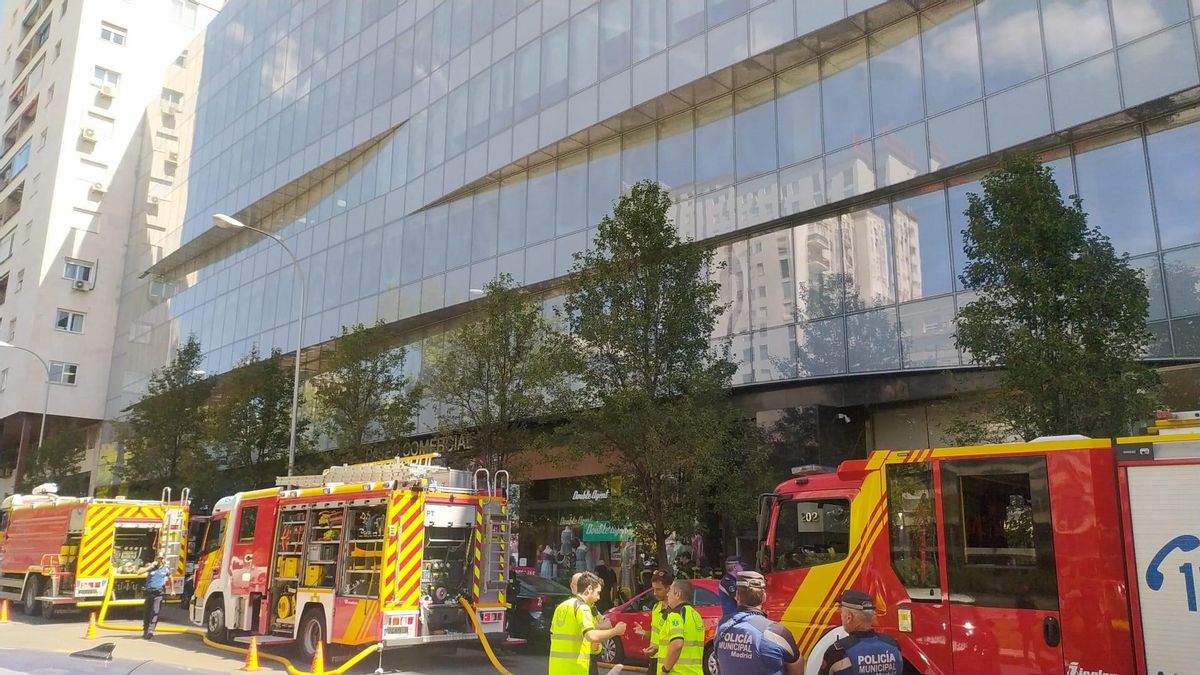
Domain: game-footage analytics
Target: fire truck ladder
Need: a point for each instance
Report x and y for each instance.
(496, 529)
(170, 543)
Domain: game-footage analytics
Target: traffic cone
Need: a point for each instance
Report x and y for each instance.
(90, 634)
(318, 662)
(4, 612)
(252, 656)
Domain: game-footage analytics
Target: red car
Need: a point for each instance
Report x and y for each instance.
(628, 648)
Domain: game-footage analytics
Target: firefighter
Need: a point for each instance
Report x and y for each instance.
(863, 650)
(660, 583)
(573, 632)
(748, 643)
(728, 585)
(684, 630)
(156, 582)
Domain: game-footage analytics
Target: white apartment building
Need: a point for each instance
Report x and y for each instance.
(76, 80)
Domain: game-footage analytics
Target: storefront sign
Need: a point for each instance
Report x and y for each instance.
(600, 530)
(589, 495)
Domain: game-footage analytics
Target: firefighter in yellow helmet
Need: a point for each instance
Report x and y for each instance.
(684, 633)
(573, 632)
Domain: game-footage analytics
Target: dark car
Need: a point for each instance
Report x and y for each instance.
(533, 600)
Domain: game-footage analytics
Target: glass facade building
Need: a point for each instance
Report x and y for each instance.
(411, 151)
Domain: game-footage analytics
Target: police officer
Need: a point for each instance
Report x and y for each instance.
(573, 632)
(684, 629)
(863, 650)
(728, 585)
(660, 584)
(747, 642)
(156, 583)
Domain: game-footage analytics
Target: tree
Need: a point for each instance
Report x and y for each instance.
(57, 461)
(500, 375)
(642, 308)
(250, 421)
(364, 398)
(165, 432)
(1057, 308)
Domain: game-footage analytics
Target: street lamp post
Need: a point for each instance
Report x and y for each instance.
(228, 223)
(46, 400)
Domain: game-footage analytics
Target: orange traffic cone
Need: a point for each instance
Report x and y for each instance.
(318, 662)
(90, 634)
(4, 612)
(252, 656)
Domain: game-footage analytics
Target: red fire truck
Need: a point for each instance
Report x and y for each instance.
(58, 552)
(358, 554)
(1070, 555)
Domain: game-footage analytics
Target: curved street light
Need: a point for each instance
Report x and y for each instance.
(229, 223)
(46, 401)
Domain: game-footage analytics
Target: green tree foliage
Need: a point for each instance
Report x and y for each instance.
(57, 461)
(366, 404)
(164, 433)
(642, 309)
(499, 375)
(1057, 308)
(250, 421)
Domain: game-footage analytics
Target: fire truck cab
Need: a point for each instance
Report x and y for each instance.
(356, 555)
(1070, 555)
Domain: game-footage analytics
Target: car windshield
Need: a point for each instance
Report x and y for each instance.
(540, 585)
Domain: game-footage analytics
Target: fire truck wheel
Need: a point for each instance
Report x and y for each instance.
(214, 620)
(49, 610)
(710, 660)
(28, 604)
(312, 631)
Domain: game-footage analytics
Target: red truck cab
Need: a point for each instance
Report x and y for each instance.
(1008, 558)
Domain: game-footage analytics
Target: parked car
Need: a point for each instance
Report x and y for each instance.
(628, 648)
(533, 601)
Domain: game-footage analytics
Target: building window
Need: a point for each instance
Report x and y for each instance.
(12, 329)
(6, 245)
(71, 322)
(63, 373)
(113, 34)
(3, 379)
(77, 270)
(105, 77)
(181, 60)
(185, 11)
(3, 288)
(20, 281)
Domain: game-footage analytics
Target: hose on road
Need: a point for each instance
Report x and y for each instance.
(487, 647)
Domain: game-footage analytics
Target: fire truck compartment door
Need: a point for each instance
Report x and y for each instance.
(1001, 570)
(1166, 551)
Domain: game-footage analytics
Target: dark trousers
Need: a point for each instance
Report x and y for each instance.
(652, 667)
(151, 608)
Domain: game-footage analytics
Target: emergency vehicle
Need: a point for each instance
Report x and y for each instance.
(358, 554)
(57, 552)
(1067, 555)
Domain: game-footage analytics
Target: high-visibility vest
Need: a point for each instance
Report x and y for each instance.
(657, 634)
(684, 623)
(570, 653)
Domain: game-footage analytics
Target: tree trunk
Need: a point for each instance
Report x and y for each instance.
(660, 541)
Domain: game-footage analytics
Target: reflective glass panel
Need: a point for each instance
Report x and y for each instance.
(1176, 174)
(413, 248)
(716, 211)
(1135, 18)
(714, 144)
(957, 136)
(872, 341)
(774, 354)
(799, 113)
(1075, 30)
(572, 191)
(1018, 115)
(957, 197)
(456, 122)
(1116, 196)
(637, 156)
(844, 95)
(1157, 66)
(676, 159)
(554, 66)
(604, 179)
(614, 36)
(512, 214)
(1151, 269)
(951, 51)
(1012, 45)
(584, 48)
(734, 279)
(458, 240)
(754, 126)
(927, 333)
(477, 118)
(821, 347)
(901, 155)
(649, 28)
(540, 216)
(802, 187)
(867, 255)
(1182, 271)
(526, 84)
(436, 231)
(686, 19)
(502, 94)
(1084, 92)
(758, 200)
(849, 172)
(483, 220)
(771, 289)
(723, 10)
(820, 277)
(922, 246)
(896, 76)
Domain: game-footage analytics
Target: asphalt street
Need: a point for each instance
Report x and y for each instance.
(33, 645)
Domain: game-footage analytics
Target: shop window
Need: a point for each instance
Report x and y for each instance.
(363, 553)
(999, 539)
(913, 529)
(811, 532)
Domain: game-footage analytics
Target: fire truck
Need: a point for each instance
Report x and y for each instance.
(1066, 555)
(58, 552)
(378, 552)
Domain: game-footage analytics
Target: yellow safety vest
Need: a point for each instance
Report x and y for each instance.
(657, 635)
(570, 653)
(684, 623)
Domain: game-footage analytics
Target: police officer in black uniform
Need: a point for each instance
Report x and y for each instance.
(747, 642)
(863, 651)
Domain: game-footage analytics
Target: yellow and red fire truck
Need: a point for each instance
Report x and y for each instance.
(1067, 555)
(57, 552)
(358, 554)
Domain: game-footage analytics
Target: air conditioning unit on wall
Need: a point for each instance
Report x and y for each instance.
(88, 133)
(108, 91)
(81, 286)
(99, 187)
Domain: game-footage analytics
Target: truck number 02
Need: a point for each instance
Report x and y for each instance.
(810, 517)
